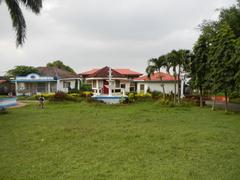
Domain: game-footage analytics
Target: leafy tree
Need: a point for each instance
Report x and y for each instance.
(21, 71)
(222, 61)
(200, 65)
(231, 16)
(155, 64)
(60, 65)
(18, 21)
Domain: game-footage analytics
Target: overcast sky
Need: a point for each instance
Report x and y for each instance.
(87, 34)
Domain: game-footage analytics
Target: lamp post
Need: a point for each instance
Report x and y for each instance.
(110, 82)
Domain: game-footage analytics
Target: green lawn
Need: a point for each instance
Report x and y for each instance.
(138, 141)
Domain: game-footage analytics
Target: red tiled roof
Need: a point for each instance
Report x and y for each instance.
(104, 72)
(2, 81)
(156, 77)
(89, 72)
(126, 72)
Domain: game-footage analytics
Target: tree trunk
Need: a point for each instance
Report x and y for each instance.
(226, 102)
(179, 86)
(214, 102)
(201, 97)
(175, 88)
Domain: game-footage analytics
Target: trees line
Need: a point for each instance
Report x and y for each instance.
(214, 61)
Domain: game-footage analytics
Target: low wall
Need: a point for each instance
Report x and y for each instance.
(7, 102)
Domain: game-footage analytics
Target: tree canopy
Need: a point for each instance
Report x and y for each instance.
(21, 71)
(59, 64)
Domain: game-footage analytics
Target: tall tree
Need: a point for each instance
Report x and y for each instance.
(59, 64)
(231, 16)
(18, 21)
(155, 65)
(223, 63)
(199, 65)
(172, 63)
(21, 71)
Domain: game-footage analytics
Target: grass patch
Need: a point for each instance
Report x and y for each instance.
(138, 141)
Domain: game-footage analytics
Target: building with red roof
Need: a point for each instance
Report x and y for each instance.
(122, 80)
(154, 83)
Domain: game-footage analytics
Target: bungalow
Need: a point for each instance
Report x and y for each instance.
(47, 80)
(6, 86)
(121, 80)
(153, 83)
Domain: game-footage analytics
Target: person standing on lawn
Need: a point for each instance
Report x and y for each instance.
(41, 101)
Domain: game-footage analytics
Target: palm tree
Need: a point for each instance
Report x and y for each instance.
(18, 21)
(173, 62)
(184, 59)
(155, 64)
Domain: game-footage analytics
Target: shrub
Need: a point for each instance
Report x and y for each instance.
(132, 97)
(166, 102)
(87, 94)
(86, 87)
(156, 94)
(46, 96)
(74, 91)
(75, 94)
(61, 96)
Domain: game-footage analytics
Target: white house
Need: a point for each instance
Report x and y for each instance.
(47, 80)
(153, 83)
(121, 80)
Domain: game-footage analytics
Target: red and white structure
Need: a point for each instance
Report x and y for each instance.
(110, 81)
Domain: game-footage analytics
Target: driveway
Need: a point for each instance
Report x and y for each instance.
(221, 105)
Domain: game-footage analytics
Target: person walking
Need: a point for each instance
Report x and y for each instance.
(41, 101)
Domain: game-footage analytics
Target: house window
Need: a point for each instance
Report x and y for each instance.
(94, 84)
(66, 84)
(132, 89)
(142, 87)
(117, 84)
(123, 86)
(41, 87)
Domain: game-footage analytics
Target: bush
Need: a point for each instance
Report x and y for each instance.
(87, 94)
(86, 87)
(61, 96)
(75, 94)
(46, 96)
(156, 94)
(166, 102)
(132, 97)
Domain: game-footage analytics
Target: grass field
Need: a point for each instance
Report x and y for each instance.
(138, 141)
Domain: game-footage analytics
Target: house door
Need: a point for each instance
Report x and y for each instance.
(105, 87)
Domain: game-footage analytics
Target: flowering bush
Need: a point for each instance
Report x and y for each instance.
(139, 97)
(61, 96)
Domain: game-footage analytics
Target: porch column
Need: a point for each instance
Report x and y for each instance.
(16, 88)
(79, 81)
(182, 88)
(49, 87)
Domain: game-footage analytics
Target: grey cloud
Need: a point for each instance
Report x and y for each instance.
(93, 33)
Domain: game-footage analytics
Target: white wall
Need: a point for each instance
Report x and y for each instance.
(61, 87)
(156, 86)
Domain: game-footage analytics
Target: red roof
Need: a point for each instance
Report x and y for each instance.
(156, 77)
(89, 72)
(128, 72)
(104, 72)
(125, 72)
(2, 81)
